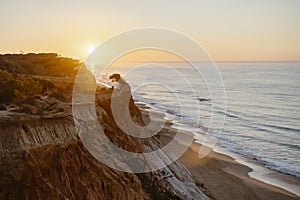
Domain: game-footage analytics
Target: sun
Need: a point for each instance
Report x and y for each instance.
(91, 48)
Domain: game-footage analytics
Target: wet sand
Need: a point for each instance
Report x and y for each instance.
(221, 177)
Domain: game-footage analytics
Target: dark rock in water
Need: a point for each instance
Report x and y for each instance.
(203, 99)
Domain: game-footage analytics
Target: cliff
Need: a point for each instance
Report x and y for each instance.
(42, 156)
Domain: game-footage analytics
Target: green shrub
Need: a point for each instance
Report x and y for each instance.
(5, 77)
(30, 86)
(7, 86)
(27, 87)
(46, 64)
(14, 87)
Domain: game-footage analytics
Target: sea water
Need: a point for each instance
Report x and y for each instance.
(262, 105)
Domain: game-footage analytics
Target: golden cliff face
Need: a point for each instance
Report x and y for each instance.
(42, 156)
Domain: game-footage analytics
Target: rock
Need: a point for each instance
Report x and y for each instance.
(44, 158)
(59, 96)
(50, 100)
(30, 109)
(2, 107)
(13, 107)
(203, 99)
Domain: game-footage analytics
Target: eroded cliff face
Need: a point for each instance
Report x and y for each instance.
(42, 157)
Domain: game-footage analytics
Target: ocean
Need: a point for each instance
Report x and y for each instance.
(262, 105)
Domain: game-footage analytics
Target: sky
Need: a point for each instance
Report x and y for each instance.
(228, 30)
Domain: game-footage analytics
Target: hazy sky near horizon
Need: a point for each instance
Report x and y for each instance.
(228, 30)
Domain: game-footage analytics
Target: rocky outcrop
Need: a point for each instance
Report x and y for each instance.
(42, 157)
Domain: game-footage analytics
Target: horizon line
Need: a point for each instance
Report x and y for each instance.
(213, 60)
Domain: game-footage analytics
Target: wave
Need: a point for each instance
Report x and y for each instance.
(283, 128)
(262, 113)
(275, 164)
(280, 168)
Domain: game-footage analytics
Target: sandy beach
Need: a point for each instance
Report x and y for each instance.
(221, 177)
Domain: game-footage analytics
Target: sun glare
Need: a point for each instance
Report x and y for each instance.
(91, 49)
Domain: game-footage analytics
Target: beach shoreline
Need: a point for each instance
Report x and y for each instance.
(221, 175)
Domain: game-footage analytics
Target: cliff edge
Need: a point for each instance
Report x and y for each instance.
(42, 156)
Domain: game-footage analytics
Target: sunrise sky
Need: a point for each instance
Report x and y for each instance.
(228, 30)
